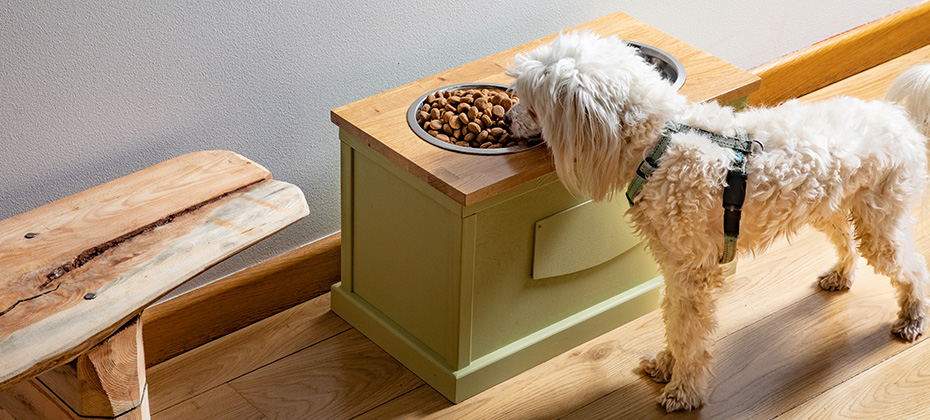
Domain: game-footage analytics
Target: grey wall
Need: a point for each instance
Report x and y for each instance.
(90, 91)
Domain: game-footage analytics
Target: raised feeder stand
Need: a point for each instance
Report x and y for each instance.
(470, 269)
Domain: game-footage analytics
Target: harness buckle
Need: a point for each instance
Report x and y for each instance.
(647, 167)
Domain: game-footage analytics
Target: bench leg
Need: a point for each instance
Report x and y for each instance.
(107, 381)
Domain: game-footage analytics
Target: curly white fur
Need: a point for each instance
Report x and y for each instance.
(601, 109)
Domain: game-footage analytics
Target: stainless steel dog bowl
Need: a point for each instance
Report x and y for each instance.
(412, 122)
(670, 68)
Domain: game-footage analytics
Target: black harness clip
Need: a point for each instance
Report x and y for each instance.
(733, 197)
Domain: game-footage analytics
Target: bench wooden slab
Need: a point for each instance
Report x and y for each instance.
(76, 273)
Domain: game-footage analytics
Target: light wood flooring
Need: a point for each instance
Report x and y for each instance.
(784, 349)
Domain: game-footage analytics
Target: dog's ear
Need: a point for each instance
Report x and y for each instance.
(585, 133)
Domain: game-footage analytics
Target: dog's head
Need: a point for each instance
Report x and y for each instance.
(588, 97)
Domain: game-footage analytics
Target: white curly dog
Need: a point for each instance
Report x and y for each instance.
(853, 169)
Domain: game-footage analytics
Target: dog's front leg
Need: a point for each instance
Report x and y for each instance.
(688, 308)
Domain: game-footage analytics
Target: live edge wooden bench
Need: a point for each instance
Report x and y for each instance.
(75, 275)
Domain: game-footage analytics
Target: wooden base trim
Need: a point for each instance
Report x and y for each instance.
(233, 302)
(508, 361)
(843, 55)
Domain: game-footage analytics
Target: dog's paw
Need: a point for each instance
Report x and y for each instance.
(676, 399)
(908, 328)
(658, 365)
(833, 280)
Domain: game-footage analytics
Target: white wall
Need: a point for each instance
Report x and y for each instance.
(90, 91)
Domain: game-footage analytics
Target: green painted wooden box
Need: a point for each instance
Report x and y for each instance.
(471, 269)
(449, 290)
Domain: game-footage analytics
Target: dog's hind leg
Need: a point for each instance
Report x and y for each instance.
(887, 242)
(839, 230)
(688, 307)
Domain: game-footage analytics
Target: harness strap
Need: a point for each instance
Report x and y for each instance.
(648, 166)
(734, 194)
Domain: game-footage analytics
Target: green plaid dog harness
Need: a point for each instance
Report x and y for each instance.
(734, 194)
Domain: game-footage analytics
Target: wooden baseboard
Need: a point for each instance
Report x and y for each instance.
(843, 55)
(226, 305)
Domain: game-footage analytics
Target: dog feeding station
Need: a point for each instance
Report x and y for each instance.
(469, 265)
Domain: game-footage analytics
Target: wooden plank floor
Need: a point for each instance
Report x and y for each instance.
(785, 349)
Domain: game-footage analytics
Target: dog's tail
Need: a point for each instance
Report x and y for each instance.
(912, 90)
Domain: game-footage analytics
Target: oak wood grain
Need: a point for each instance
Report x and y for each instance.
(236, 301)
(380, 121)
(218, 403)
(896, 389)
(246, 350)
(57, 323)
(326, 381)
(872, 83)
(423, 402)
(841, 56)
(30, 400)
(771, 365)
(4, 415)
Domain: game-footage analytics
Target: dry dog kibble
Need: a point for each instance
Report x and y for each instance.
(469, 117)
(506, 103)
(498, 111)
(481, 103)
(482, 136)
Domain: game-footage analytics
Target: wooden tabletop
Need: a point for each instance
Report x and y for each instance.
(75, 270)
(380, 121)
